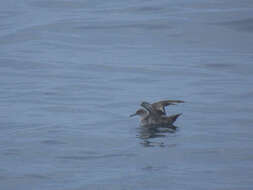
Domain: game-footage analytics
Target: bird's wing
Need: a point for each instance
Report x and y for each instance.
(162, 104)
(147, 106)
(153, 113)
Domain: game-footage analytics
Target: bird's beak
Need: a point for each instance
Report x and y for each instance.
(132, 115)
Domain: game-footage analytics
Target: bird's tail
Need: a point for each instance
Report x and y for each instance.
(174, 117)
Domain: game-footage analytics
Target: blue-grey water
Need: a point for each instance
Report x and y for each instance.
(71, 72)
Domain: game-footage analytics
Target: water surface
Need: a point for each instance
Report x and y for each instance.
(71, 72)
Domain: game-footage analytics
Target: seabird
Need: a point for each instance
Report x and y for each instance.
(155, 114)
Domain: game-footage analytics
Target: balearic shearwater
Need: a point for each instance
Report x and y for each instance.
(155, 114)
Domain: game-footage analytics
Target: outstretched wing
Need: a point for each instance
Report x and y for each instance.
(162, 104)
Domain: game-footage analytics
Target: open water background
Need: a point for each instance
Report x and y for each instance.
(71, 72)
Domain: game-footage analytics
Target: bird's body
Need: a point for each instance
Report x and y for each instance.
(155, 115)
(164, 121)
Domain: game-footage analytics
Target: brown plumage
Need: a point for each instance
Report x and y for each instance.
(160, 106)
(154, 114)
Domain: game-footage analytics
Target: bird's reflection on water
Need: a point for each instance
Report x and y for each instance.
(146, 134)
